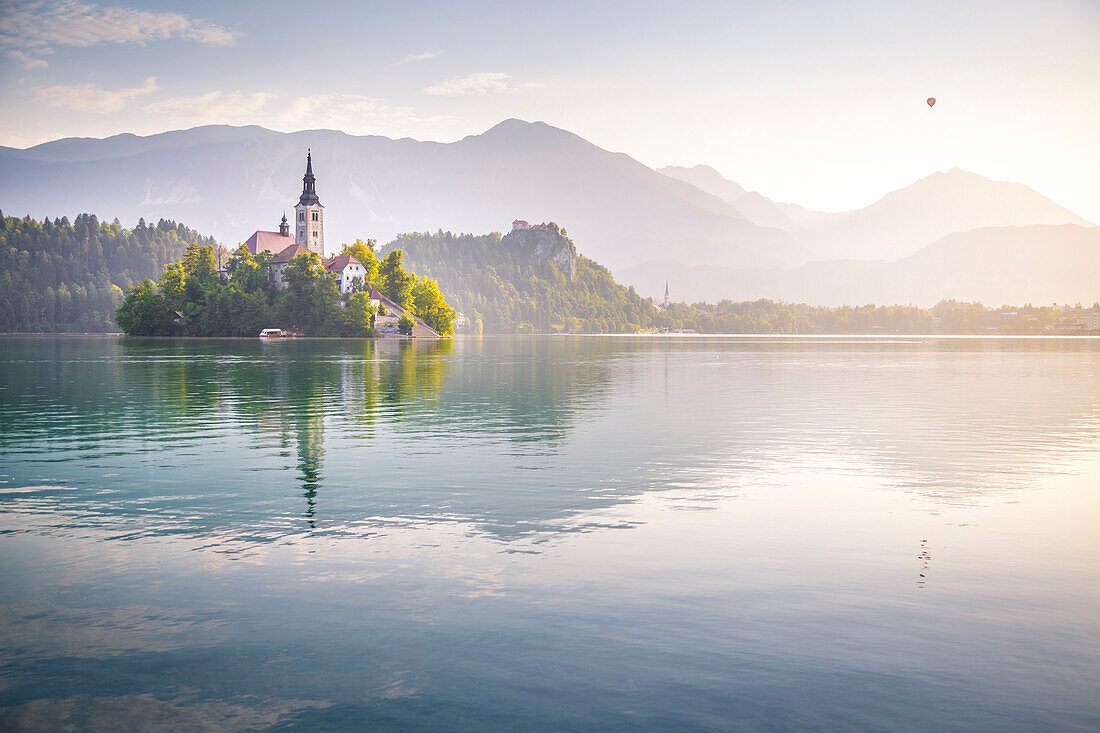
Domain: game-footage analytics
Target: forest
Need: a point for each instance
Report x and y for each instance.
(57, 275)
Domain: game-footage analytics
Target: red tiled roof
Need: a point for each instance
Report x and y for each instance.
(290, 253)
(267, 241)
(339, 262)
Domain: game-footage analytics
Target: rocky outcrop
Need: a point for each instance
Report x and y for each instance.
(545, 244)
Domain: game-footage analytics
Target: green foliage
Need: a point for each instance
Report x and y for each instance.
(504, 286)
(394, 281)
(310, 303)
(357, 318)
(431, 308)
(146, 311)
(406, 324)
(57, 275)
(364, 252)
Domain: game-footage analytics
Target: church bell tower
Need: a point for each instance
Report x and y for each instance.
(309, 215)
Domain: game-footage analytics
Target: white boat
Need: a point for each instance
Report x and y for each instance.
(273, 333)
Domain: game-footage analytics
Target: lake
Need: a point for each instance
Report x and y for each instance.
(550, 533)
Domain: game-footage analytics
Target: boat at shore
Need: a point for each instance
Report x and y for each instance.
(275, 333)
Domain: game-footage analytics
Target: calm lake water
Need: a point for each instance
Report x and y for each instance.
(578, 533)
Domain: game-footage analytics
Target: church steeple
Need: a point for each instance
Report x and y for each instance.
(284, 227)
(309, 214)
(309, 183)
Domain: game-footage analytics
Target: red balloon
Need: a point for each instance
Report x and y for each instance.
(931, 101)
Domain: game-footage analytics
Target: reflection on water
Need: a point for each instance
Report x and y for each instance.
(552, 533)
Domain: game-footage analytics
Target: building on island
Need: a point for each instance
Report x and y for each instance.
(309, 236)
(520, 225)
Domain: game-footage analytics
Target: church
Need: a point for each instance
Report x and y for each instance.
(309, 236)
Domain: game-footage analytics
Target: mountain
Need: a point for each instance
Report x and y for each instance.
(905, 220)
(755, 207)
(899, 223)
(231, 181)
(995, 265)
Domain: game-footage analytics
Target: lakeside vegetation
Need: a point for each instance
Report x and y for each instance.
(193, 299)
(503, 285)
(163, 279)
(57, 275)
(526, 283)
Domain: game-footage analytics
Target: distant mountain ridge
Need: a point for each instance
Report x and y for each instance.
(233, 180)
(707, 235)
(898, 224)
(1039, 264)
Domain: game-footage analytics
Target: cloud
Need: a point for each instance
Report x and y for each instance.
(412, 57)
(26, 60)
(213, 107)
(91, 98)
(35, 27)
(483, 83)
(352, 113)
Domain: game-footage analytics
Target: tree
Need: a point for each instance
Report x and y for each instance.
(311, 299)
(406, 324)
(431, 308)
(364, 252)
(144, 312)
(248, 271)
(358, 317)
(393, 281)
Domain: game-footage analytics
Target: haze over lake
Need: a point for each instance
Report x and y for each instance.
(550, 533)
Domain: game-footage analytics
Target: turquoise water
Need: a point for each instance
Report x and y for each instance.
(573, 533)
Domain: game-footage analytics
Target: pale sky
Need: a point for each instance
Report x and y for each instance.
(819, 103)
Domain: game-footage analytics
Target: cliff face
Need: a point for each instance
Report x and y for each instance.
(545, 245)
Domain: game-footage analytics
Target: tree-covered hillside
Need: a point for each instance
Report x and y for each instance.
(57, 275)
(527, 281)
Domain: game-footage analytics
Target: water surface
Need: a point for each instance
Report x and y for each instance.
(550, 533)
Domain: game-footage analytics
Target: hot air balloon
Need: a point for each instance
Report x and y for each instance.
(931, 101)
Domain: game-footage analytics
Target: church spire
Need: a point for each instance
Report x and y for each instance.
(309, 183)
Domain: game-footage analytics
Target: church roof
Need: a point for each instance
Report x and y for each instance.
(290, 253)
(267, 242)
(339, 262)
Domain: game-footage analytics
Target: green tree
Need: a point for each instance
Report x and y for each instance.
(393, 281)
(364, 252)
(311, 300)
(145, 312)
(431, 308)
(406, 324)
(358, 317)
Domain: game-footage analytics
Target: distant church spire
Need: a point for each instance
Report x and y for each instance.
(309, 183)
(666, 293)
(284, 227)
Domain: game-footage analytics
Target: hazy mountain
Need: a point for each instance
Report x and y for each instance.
(231, 181)
(898, 224)
(905, 220)
(996, 265)
(755, 207)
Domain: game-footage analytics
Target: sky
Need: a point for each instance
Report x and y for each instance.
(817, 103)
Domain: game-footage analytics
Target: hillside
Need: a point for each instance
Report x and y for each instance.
(527, 281)
(57, 275)
(231, 181)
